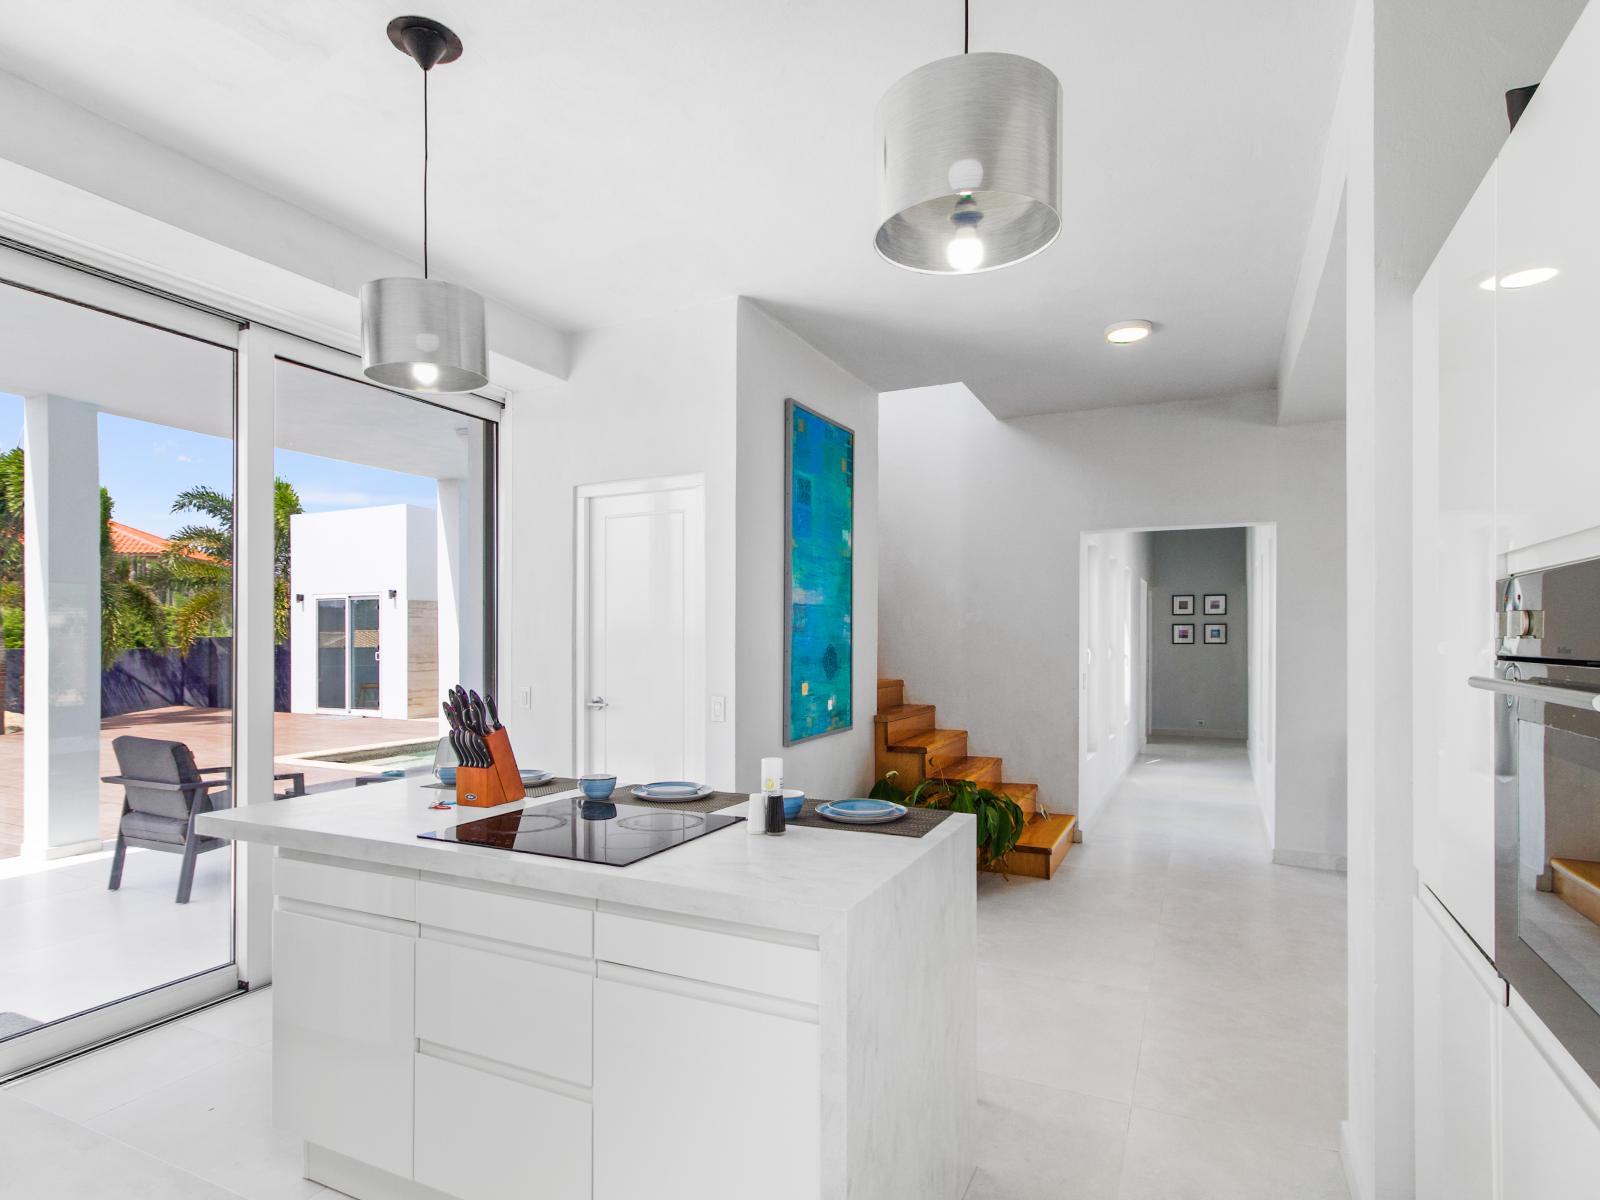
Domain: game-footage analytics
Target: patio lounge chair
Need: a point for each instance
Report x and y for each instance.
(162, 793)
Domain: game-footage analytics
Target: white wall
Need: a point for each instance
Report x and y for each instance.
(698, 391)
(774, 364)
(352, 552)
(1261, 557)
(982, 616)
(1113, 661)
(1199, 690)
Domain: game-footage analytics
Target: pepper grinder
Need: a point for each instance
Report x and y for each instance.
(776, 822)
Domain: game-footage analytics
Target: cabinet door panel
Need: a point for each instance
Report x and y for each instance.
(461, 992)
(696, 1099)
(1454, 575)
(1549, 372)
(1457, 1008)
(483, 1137)
(1550, 1144)
(343, 1037)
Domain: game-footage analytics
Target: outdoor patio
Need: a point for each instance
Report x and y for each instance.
(208, 733)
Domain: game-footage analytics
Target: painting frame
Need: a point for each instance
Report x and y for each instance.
(1183, 634)
(1220, 629)
(1183, 605)
(800, 711)
(1216, 604)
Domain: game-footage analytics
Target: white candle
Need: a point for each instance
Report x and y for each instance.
(772, 774)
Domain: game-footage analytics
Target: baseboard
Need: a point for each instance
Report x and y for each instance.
(1208, 735)
(1316, 860)
(1351, 1161)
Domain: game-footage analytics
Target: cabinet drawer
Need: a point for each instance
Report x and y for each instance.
(484, 1137)
(375, 891)
(712, 956)
(525, 920)
(511, 1010)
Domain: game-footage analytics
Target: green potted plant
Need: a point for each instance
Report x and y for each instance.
(1000, 819)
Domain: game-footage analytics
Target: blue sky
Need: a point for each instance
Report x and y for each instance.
(144, 466)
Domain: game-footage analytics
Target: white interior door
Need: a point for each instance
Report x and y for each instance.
(643, 679)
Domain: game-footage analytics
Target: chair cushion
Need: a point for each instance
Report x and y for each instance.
(151, 827)
(160, 762)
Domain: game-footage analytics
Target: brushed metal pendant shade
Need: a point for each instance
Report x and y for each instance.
(970, 159)
(424, 335)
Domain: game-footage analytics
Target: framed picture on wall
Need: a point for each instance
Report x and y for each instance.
(1183, 606)
(1216, 635)
(818, 574)
(1217, 606)
(1183, 635)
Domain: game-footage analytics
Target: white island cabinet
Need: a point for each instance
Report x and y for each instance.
(785, 1017)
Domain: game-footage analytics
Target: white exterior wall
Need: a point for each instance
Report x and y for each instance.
(360, 552)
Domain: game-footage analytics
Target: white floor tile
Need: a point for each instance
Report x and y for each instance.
(217, 1124)
(84, 1087)
(1176, 1158)
(46, 1155)
(1037, 1141)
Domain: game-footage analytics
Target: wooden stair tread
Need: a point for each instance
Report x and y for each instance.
(1044, 843)
(928, 739)
(888, 683)
(1577, 882)
(1578, 870)
(896, 712)
(1025, 794)
(971, 767)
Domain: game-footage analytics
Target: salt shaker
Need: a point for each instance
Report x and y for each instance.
(755, 814)
(776, 821)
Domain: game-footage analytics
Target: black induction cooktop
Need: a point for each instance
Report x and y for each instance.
(596, 831)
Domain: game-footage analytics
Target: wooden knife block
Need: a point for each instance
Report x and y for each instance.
(499, 783)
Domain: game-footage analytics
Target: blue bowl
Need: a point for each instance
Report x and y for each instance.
(445, 774)
(598, 787)
(793, 800)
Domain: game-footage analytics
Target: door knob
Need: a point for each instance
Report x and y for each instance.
(597, 702)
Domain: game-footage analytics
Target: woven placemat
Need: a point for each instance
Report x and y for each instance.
(715, 802)
(915, 823)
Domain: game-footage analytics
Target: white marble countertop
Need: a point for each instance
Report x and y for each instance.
(802, 882)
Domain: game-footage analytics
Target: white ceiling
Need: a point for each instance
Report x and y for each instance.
(599, 162)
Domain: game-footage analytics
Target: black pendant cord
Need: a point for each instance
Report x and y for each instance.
(966, 26)
(425, 174)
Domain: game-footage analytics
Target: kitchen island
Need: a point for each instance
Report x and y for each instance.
(735, 1016)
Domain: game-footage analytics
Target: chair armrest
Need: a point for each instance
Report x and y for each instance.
(161, 786)
(213, 770)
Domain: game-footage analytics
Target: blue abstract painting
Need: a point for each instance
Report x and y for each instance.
(819, 581)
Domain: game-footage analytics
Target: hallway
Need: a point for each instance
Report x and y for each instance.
(1166, 1018)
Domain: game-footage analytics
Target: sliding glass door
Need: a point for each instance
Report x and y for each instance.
(116, 606)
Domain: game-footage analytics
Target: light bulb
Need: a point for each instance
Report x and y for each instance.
(965, 250)
(1528, 277)
(425, 373)
(1125, 333)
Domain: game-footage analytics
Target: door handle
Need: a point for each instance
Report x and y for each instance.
(1550, 693)
(596, 702)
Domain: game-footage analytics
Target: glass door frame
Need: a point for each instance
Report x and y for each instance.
(350, 708)
(258, 350)
(116, 1017)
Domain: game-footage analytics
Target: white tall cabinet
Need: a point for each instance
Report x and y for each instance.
(1507, 422)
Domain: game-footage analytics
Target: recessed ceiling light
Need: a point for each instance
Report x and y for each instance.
(1125, 332)
(1521, 279)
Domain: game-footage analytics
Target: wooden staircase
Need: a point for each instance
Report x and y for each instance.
(910, 742)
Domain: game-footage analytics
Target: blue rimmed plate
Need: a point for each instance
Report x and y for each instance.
(665, 791)
(861, 812)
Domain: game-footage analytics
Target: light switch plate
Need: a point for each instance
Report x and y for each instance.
(525, 696)
(719, 708)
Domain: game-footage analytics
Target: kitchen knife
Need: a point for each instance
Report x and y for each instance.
(494, 712)
(480, 713)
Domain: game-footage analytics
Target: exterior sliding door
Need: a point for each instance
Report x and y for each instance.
(117, 414)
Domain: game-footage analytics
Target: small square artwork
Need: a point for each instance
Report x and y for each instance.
(1183, 635)
(1183, 606)
(1217, 606)
(1216, 635)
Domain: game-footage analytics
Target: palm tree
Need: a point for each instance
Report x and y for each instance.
(11, 592)
(131, 614)
(199, 564)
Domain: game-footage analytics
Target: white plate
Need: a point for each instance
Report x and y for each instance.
(832, 812)
(642, 792)
(535, 778)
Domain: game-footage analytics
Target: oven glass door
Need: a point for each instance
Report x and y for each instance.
(1547, 871)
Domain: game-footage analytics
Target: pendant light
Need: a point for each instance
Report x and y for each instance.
(424, 335)
(970, 150)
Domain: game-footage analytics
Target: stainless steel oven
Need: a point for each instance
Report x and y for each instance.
(1547, 802)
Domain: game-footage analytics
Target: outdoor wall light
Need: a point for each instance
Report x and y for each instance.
(424, 335)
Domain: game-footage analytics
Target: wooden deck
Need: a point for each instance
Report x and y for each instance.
(208, 732)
